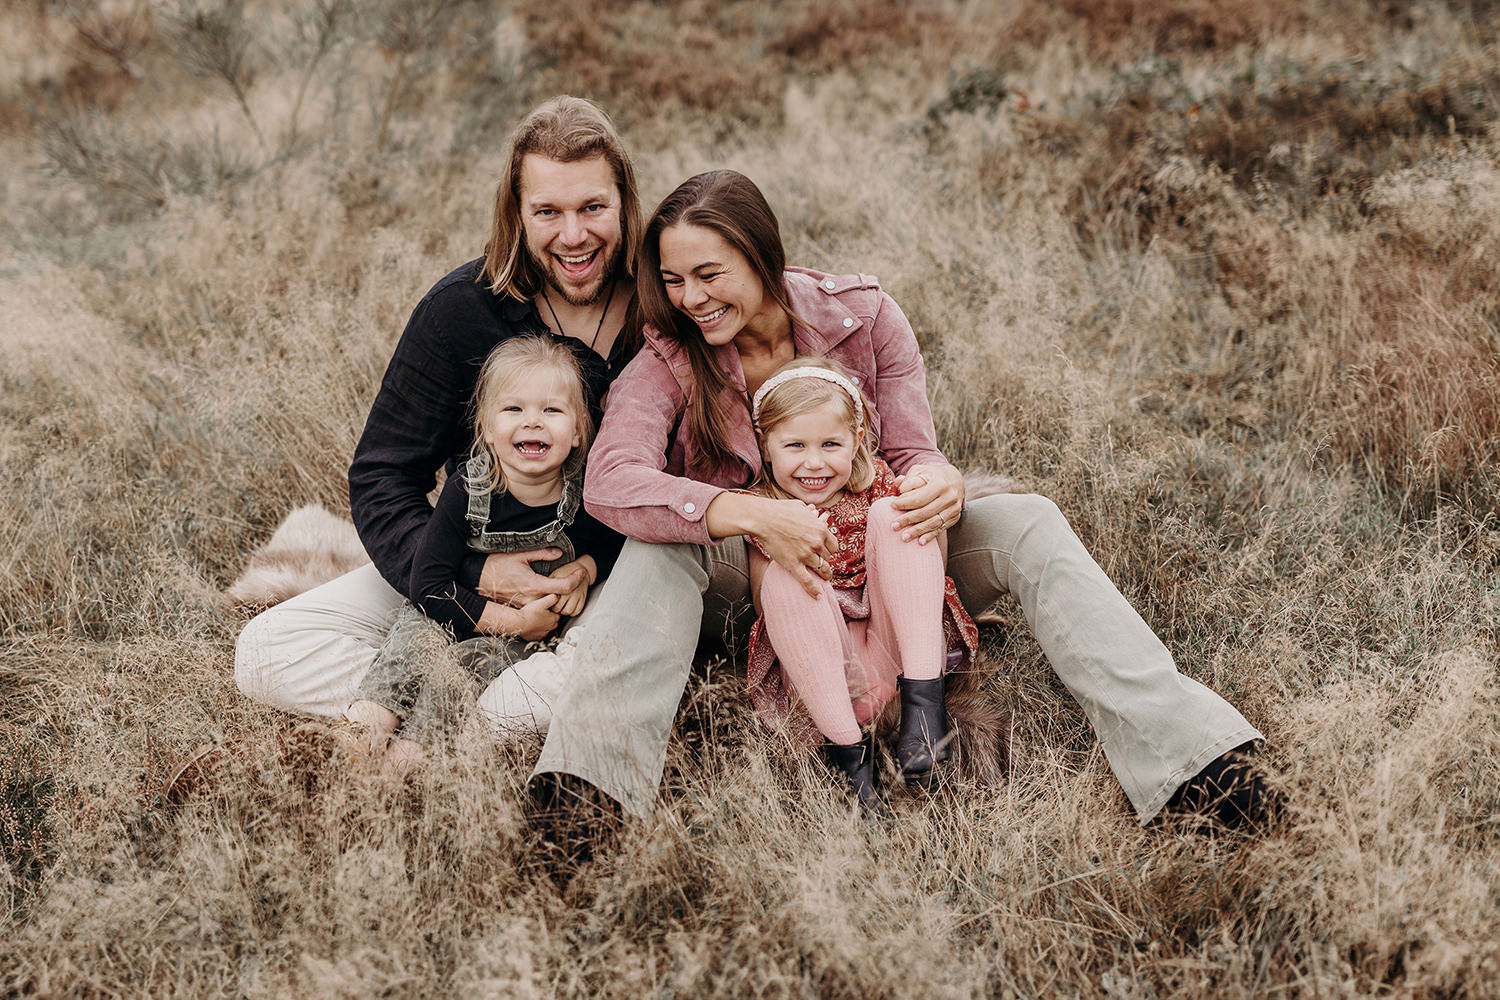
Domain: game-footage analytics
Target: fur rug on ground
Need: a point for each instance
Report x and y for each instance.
(312, 546)
(984, 749)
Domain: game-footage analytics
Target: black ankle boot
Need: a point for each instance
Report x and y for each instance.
(1233, 790)
(923, 741)
(571, 819)
(856, 762)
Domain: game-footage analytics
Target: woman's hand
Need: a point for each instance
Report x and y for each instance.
(794, 534)
(508, 577)
(931, 499)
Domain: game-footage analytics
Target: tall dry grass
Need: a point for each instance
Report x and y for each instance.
(1221, 279)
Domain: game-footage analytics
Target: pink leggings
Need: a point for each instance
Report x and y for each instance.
(845, 671)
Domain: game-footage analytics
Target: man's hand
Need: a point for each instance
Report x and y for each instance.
(931, 499)
(508, 576)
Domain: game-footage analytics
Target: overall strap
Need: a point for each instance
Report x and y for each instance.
(572, 496)
(478, 515)
(553, 533)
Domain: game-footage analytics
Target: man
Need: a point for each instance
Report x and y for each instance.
(560, 261)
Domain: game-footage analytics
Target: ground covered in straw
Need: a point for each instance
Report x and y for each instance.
(1222, 279)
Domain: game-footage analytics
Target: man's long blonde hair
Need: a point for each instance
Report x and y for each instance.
(566, 129)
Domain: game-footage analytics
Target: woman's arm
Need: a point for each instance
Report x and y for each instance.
(793, 534)
(899, 393)
(627, 485)
(932, 490)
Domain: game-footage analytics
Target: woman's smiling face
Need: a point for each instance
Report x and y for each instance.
(713, 284)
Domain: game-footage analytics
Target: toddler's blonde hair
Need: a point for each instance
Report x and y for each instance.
(511, 361)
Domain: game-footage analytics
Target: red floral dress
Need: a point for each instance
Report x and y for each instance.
(770, 692)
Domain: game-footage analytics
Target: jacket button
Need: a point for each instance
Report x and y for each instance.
(848, 322)
(689, 507)
(829, 284)
(854, 379)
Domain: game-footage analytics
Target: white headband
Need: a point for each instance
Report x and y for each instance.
(809, 371)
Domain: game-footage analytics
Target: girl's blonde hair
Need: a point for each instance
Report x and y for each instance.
(801, 395)
(511, 361)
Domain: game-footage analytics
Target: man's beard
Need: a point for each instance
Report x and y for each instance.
(610, 273)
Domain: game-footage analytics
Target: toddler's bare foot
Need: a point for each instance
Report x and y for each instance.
(379, 724)
(402, 757)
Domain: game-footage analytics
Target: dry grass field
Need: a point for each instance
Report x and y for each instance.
(1221, 278)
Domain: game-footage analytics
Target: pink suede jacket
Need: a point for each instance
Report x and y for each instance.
(637, 481)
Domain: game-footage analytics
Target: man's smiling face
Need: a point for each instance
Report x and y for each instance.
(571, 216)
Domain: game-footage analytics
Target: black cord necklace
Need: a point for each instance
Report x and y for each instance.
(595, 338)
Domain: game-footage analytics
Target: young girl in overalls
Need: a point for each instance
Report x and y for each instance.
(887, 619)
(521, 489)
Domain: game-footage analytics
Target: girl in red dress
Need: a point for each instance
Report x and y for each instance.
(884, 617)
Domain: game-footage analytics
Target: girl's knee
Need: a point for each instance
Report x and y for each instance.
(783, 598)
(880, 524)
(778, 585)
(883, 512)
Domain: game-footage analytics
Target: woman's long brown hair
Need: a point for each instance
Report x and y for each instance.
(728, 203)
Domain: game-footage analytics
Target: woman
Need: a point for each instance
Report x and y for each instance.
(723, 311)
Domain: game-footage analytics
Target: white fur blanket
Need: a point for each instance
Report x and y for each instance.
(310, 547)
